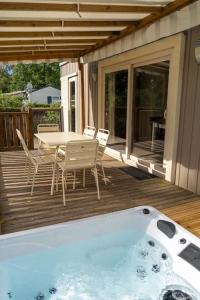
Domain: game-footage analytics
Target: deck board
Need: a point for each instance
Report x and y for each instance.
(20, 211)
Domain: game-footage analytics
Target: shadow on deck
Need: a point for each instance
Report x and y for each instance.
(21, 211)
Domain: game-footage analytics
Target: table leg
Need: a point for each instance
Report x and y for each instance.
(154, 128)
(54, 171)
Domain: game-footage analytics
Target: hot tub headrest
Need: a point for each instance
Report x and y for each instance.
(168, 228)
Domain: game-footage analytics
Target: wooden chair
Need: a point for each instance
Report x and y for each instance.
(79, 155)
(47, 128)
(102, 137)
(34, 160)
(89, 131)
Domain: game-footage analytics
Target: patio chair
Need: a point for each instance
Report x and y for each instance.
(79, 155)
(42, 128)
(89, 131)
(102, 137)
(34, 160)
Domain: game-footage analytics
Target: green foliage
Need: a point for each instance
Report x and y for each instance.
(116, 87)
(37, 105)
(51, 116)
(5, 80)
(16, 78)
(40, 75)
(55, 105)
(11, 101)
(151, 85)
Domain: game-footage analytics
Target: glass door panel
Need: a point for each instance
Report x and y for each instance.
(116, 86)
(72, 104)
(149, 111)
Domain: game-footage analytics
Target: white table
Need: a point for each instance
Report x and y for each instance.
(58, 139)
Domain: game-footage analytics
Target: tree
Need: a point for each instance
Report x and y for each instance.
(40, 75)
(5, 79)
(11, 101)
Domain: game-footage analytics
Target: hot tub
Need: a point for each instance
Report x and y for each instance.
(135, 254)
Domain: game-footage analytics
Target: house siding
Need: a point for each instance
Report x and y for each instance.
(69, 68)
(188, 153)
(67, 71)
(40, 96)
(90, 90)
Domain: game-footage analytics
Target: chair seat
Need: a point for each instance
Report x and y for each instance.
(73, 165)
(43, 159)
(100, 154)
(41, 152)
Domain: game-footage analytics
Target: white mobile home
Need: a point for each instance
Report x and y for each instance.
(45, 95)
(132, 67)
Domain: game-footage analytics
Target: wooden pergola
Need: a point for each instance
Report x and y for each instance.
(63, 29)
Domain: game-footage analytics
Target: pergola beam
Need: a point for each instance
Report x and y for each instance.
(39, 55)
(81, 8)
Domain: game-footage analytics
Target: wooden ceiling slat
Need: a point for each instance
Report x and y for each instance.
(48, 42)
(118, 8)
(101, 8)
(57, 34)
(43, 47)
(38, 55)
(32, 24)
(37, 6)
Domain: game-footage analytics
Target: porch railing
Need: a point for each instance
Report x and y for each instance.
(9, 122)
(26, 122)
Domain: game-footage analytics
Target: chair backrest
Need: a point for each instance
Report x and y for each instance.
(27, 152)
(81, 154)
(89, 131)
(102, 137)
(48, 128)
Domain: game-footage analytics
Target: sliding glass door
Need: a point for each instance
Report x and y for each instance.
(116, 87)
(150, 88)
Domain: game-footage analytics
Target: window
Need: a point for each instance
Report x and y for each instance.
(49, 99)
(55, 99)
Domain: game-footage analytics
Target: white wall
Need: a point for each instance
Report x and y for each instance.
(40, 96)
(65, 101)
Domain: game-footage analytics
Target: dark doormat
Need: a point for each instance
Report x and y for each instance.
(137, 173)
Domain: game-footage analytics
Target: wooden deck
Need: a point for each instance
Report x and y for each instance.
(20, 211)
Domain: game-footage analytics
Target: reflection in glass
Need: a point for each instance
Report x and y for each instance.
(116, 84)
(149, 111)
(72, 99)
